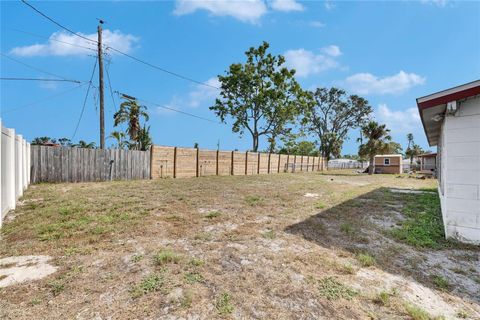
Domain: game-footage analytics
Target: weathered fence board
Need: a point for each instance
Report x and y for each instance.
(62, 164)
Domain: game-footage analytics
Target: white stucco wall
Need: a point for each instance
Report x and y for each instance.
(459, 179)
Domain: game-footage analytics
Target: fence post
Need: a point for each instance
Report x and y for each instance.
(246, 162)
(288, 159)
(216, 167)
(313, 164)
(174, 162)
(301, 163)
(258, 163)
(151, 161)
(308, 161)
(18, 166)
(294, 163)
(231, 167)
(268, 171)
(279, 157)
(11, 190)
(196, 169)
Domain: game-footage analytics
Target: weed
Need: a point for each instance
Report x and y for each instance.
(333, 290)
(383, 298)
(136, 258)
(166, 256)
(348, 268)
(462, 314)
(365, 259)
(320, 205)
(203, 236)
(459, 271)
(223, 304)
(196, 262)
(148, 284)
(193, 277)
(56, 287)
(441, 282)
(270, 234)
(213, 214)
(186, 300)
(416, 312)
(423, 226)
(346, 228)
(35, 301)
(253, 200)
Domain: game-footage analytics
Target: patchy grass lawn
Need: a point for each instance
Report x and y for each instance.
(240, 247)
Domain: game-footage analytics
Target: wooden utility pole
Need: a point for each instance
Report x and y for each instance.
(100, 80)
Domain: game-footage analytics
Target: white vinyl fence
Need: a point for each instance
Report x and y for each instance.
(15, 169)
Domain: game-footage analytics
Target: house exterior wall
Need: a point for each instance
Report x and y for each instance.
(428, 163)
(395, 166)
(459, 172)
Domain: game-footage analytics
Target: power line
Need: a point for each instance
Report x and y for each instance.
(85, 100)
(162, 69)
(31, 67)
(169, 108)
(51, 39)
(56, 23)
(44, 99)
(39, 79)
(121, 52)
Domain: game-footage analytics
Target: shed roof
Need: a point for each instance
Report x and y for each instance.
(435, 104)
(389, 155)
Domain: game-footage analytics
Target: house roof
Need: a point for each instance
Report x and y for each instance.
(435, 104)
(426, 155)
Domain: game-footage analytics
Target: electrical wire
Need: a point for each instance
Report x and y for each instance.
(168, 108)
(56, 23)
(84, 101)
(121, 52)
(38, 79)
(44, 99)
(51, 39)
(32, 67)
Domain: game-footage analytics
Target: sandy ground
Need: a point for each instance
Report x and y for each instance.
(258, 247)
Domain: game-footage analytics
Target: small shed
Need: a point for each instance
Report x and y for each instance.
(388, 163)
(428, 162)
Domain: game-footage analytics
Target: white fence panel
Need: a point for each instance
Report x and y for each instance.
(15, 169)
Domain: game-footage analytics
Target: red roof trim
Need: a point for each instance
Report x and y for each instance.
(449, 97)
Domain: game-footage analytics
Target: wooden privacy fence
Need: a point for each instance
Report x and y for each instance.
(66, 164)
(178, 162)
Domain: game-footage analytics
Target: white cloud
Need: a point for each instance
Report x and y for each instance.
(367, 83)
(57, 44)
(317, 24)
(332, 50)
(399, 122)
(439, 3)
(286, 5)
(200, 95)
(306, 62)
(329, 5)
(245, 10)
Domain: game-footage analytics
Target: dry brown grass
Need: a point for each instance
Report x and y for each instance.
(216, 247)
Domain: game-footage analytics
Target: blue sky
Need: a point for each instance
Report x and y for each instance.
(388, 52)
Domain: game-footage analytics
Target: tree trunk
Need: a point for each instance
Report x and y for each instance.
(255, 143)
(371, 165)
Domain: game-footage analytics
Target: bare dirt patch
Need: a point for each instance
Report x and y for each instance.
(15, 270)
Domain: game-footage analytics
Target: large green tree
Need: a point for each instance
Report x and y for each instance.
(378, 142)
(330, 114)
(261, 96)
(132, 113)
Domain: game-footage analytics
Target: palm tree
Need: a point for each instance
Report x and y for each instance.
(83, 144)
(378, 142)
(119, 137)
(131, 113)
(410, 144)
(144, 139)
